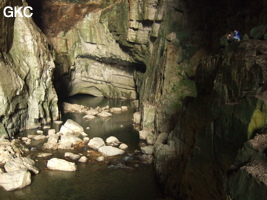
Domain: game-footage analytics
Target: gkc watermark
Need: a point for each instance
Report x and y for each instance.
(17, 11)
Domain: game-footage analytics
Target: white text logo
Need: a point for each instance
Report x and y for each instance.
(17, 11)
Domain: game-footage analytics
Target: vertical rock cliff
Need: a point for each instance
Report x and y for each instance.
(27, 94)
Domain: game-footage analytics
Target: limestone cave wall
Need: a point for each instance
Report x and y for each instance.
(28, 98)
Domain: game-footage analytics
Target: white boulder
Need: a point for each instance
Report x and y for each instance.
(124, 108)
(86, 139)
(92, 112)
(84, 134)
(39, 132)
(43, 155)
(51, 132)
(112, 141)
(96, 142)
(39, 137)
(68, 141)
(72, 156)
(58, 122)
(72, 127)
(83, 159)
(104, 114)
(123, 146)
(5, 154)
(110, 151)
(15, 180)
(100, 158)
(88, 117)
(20, 163)
(115, 110)
(52, 142)
(60, 164)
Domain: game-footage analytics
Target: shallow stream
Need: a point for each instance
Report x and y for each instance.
(118, 178)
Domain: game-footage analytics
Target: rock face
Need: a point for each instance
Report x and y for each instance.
(249, 169)
(27, 95)
(15, 180)
(96, 63)
(231, 83)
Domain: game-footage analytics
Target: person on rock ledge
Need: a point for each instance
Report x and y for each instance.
(233, 36)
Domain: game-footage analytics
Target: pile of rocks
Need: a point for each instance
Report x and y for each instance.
(16, 173)
(91, 113)
(112, 147)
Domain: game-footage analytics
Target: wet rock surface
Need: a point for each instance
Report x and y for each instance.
(228, 84)
(248, 172)
(15, 180)
(60, 164)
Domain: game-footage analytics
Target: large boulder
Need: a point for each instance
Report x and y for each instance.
(20, 163)
(72, 127)
(96, 142)
(15, 180)
(60, 164)
(52, 142)
(68, 141)
(110, 151)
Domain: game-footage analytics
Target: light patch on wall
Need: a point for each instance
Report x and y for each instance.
(258, 119)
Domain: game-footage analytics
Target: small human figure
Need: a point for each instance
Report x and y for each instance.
(233, 36)
(230, 37)
(236, 36)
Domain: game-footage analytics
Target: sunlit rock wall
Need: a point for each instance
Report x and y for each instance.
(95, 63)
(27, 94)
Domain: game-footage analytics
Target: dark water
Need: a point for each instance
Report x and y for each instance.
(93, 180)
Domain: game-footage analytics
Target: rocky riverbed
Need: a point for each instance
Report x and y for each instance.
(66, 147)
